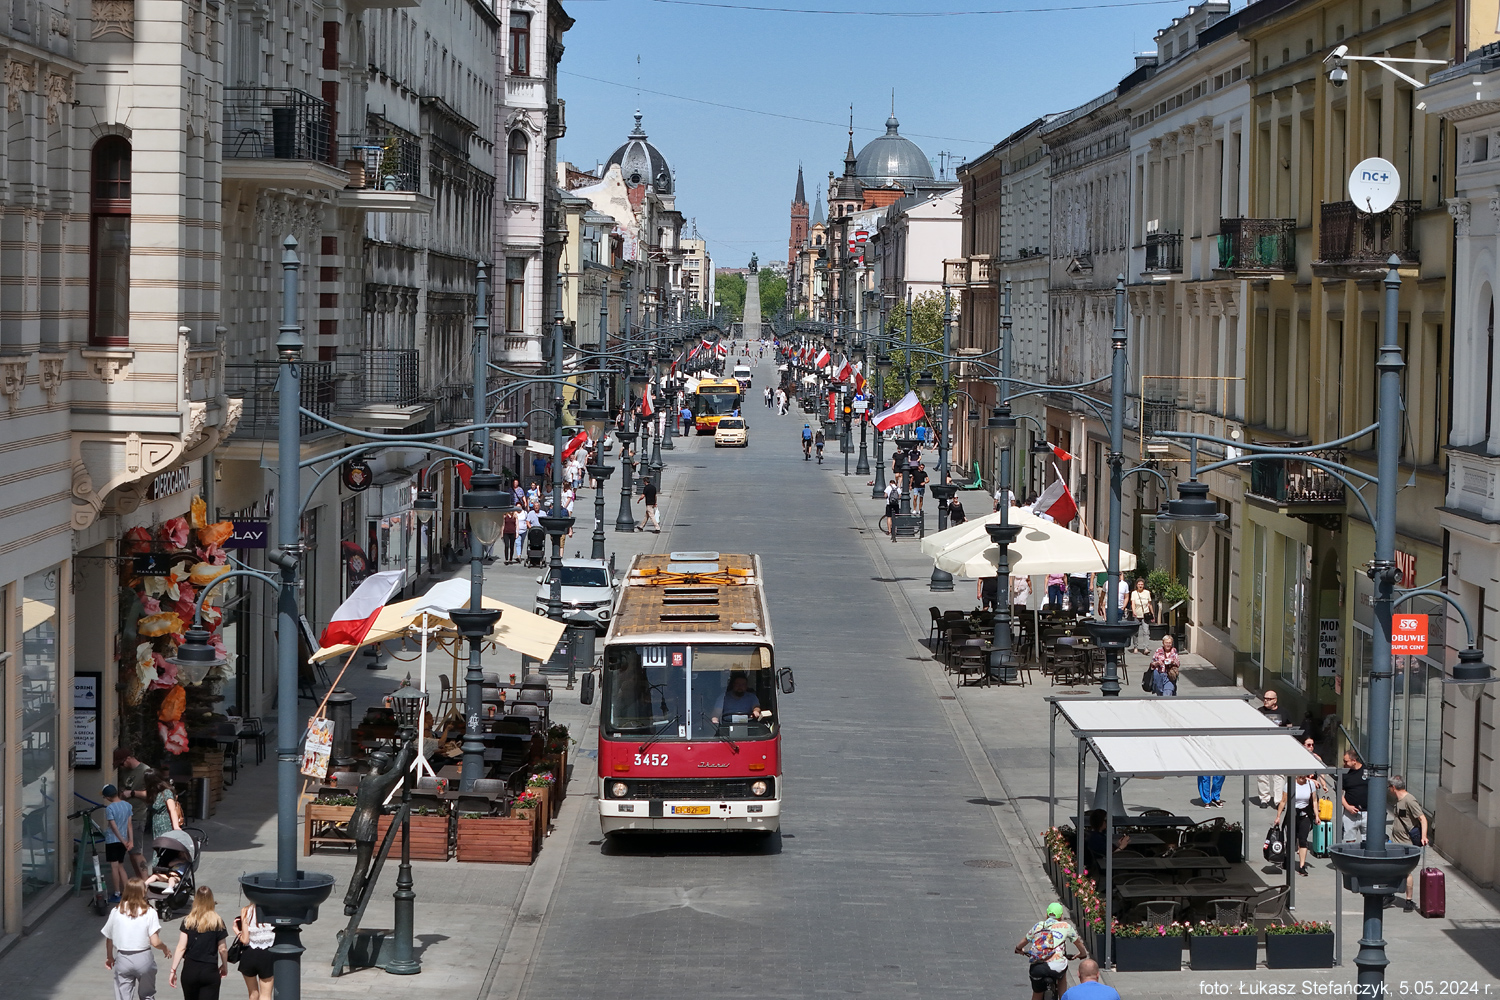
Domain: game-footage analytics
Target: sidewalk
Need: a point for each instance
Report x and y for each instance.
(466, 914)
(1011, 725)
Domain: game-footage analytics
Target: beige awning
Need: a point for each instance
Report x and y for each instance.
(1040, 547)
(34, 613)
(519, 630)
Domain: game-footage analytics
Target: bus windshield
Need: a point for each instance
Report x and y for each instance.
(689, 692)
(716, 403)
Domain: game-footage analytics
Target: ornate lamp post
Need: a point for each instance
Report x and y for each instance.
(408, 704)
(486, 505)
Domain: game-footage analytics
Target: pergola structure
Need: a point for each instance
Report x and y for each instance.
(1178, 737)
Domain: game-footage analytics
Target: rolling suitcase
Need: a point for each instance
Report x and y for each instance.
(1431, 892)
(1322, 839)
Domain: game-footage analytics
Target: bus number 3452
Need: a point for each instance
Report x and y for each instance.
(651, 759)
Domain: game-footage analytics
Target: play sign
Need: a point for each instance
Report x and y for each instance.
(1409, 635)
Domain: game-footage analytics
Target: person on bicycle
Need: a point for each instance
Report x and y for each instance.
(1046, 944)
(818, 441)
(807, 436)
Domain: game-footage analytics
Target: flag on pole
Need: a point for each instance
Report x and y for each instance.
(859, 382)
(846, 371)
(823, 358)
(832, 415)
(908, 410)
(646, 409)
(359, 611)
(721, 348)
(1062, 456)
(1056, 501)
(577, 441)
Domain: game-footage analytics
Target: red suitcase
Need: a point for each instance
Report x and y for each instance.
(1432, 891)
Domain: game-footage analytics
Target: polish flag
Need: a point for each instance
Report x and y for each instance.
(908, 410)
(577, 441)
(832, 415)
(846, 372)
(859, 382)
(721, 348)
(823, 358)
(1062, 456)
(646, 409)
(354, 617)
(1056, 501)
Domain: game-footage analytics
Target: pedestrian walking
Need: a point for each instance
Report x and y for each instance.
(1057, 588)
(130, 932)
(919, 486)
(989, 592)
(1005, 496)
(1089, 987)
(130, 779)
(648, 494)
(1304, 803)
(201, 960)
(165, 812)
(956, 513)
(1409, 826)
(1142, 609)
(1164, 657)
(256, 963)
(1356, 797)
(117, 837)
(508, 533)
(1269, 788)
(1078, 593)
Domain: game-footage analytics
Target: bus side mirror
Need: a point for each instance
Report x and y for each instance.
(586, 690)
(784, 678)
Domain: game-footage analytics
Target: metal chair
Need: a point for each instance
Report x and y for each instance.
(1226, 911)
(1192, 852)
(932, 631)
(1160, 911)
(971, 660)
(1163, 812)
(1271, 907)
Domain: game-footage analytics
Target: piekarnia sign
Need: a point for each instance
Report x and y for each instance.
(1309, 988)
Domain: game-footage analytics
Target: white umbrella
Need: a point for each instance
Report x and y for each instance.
(1041, 547)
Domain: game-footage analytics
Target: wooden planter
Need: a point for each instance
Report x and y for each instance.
(1149, 954)
(1213, 951)
(545, 809)
(324, 825)
(429, 838)
(497, 839)
(1299, 951)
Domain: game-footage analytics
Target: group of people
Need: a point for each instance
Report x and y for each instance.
(140, 805)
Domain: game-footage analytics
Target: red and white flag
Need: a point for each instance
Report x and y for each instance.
(823, 358)
(721, 348)
(1057, 501)
(1062, 456)
(832, 413)
(859, 381)
(907, 410)
(354, 617)
(577, 441)
(646, 409)
(846, 372)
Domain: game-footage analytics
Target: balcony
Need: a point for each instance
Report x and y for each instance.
(1353, 244)
(255, 383)
(557, 119)
(380, 388)
(384, 165)
(979, 270)
(1258, 247)
(1297, 487)
(279, 136)
(1163, 253)
(956, 272)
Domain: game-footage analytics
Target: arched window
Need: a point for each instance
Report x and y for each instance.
(516, 167)
(109, 243)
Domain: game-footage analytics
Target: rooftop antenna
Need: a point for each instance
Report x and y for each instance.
(944, 157)
(893, 102)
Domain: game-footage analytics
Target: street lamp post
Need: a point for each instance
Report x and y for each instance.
(408, 704)
(943, 491)
(558, 523)
(882, 365)
(595, 418)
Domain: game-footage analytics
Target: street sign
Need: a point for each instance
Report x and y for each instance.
(1409, 635)
(247, 535)
(1374, 185)
(861, 405)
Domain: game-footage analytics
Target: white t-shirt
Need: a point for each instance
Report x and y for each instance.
(131, 933)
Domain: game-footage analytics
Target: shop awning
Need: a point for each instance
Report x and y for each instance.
(1122, 716)
(518, 630)
(537, 447)
(34, 613)
(1207, 753)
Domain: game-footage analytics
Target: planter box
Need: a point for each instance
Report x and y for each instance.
(429, 838)
(1209, 952)
(1299, 951)
(1152, 954)
(534, 816)
(324, 825)
(497, 840)
(1232, 845)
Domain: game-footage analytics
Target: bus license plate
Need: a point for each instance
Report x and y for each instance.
(690, 810)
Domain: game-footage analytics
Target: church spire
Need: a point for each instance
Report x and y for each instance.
(849, 158)
(801, 198)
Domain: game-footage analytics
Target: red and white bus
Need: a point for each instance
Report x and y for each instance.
(689, 727)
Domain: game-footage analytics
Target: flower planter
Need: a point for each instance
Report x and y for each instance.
(1299, 951)
(1232, 845)
(497, 839)
(429, 838)
(1216, 951)
(1149, 954)
(324, 825)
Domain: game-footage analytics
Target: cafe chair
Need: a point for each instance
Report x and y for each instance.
(1160, 911)
(971, 660)
(1191, 852)
(485, 797)
(1271, 907)
(1230, 912)
(932, 630)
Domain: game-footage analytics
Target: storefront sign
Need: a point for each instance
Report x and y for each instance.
(247, 535)
(1409, 635)
(169, 483)
(152, 564)
(357, 475)
(318, 748)
(86, 719)
(1406, 565)
(1328, 647)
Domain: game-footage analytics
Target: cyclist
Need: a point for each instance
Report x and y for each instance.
(807, 436)
(818, 440)
(1046, 946)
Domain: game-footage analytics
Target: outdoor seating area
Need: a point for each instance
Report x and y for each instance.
(1050, 641)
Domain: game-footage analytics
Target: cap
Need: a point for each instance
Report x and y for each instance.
(110, 792)
(1056, 910)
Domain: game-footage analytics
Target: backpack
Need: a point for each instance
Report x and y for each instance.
(1274, 849)
(1148, 680)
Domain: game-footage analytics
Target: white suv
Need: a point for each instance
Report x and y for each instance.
(588, 593)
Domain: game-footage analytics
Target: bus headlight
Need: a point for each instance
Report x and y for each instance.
(619, 789)
(757, 788)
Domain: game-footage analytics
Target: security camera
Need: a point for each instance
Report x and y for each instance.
(1334, 60)
(1338, 76)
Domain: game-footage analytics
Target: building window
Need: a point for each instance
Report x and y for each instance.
(109, 248)
(40, 744)
(515, 184)
(520, 44)
(515, 294)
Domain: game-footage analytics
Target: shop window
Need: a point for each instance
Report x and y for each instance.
(516, 162)
(41, 792)
(515, 294)
(109, 247)
(520, 44)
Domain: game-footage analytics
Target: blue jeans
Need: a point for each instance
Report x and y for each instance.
(1055, 592)
(1210, 787)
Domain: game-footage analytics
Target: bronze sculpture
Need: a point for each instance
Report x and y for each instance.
(364, 825)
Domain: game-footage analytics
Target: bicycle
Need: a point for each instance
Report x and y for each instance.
(88, 851)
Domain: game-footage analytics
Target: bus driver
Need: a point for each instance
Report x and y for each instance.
(739, 699)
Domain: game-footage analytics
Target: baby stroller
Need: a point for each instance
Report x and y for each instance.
(174, 868)
(536, 547)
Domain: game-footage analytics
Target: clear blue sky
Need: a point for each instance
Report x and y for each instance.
(970, 80)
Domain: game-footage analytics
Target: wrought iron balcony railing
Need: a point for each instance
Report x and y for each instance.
(1349, 237)
(1265, 245)
(1163, 253)
(383, 158)
(379, 376)
(276, 123)
(1292, 481)
(255, 383)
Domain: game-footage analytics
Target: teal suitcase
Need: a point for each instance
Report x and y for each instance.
(1322, 838)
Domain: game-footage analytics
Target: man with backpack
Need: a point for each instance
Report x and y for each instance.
(1046, 945)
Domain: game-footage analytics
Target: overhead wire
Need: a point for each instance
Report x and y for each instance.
(914, 13)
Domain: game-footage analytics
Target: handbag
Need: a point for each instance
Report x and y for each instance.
(1274, 848)
(236, 947)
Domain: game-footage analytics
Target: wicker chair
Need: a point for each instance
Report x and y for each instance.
(1230, 912)
(1160, 911)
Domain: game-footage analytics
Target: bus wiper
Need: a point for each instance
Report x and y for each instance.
(659, 733)
(719, 730)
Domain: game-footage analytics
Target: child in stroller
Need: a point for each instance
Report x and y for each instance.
(172, 882)
(536, 547)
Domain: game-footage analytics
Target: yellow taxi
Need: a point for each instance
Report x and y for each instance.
(731, 433)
